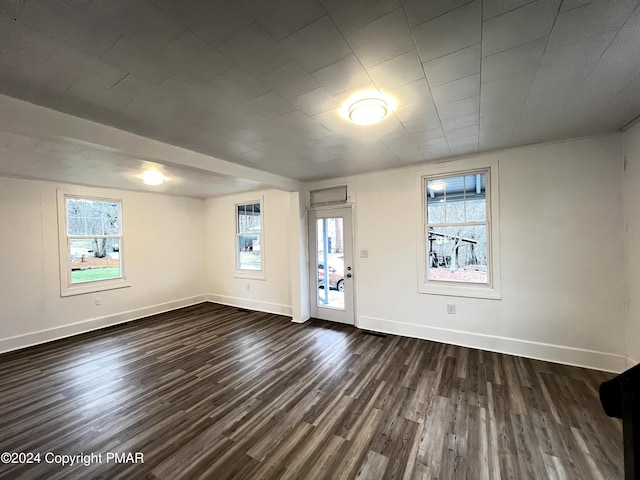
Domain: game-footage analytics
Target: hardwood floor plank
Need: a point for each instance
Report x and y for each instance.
(211, 391)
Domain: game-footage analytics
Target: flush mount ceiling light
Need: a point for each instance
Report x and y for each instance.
(368, 111)
(153, 177)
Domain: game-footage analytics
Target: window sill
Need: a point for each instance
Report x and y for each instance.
(93, 287)
(460, 290)
(257, 275)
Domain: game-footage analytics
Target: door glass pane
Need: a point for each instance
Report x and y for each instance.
(330, 253)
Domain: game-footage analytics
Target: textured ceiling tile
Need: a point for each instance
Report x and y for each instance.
(461, 132)
(412, 93)
(586, 53)
(96, 95)
(270, 105)
(434, 132)
(239, 84)
(290, 80)
(620, 63)
(32, 81)
(454, 66)
(514, 86)
(548, 96)
(463, 145)
(464, 149)
(434, 144)
(304, 43)
(457, 90)
(398, 71)
(571, 4)
(419, 11)
(416, 111)
(192, 53)
(496, 137)
(460, 122)
(460, 107)
(84, 66)
(215, 21)
(511, 62)
(342, 76)
(136, 55)
(316, 101)
(492, 8)
(500, 111)
(382, 39)
(90, 34)
(520, 26)
(591, 20)
(450, 32)
(20, 40)
(254, 50)
(283, 17)
(353, 14)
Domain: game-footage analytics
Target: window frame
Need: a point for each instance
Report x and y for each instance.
(67, 288)
(492, 289)
(243, 272)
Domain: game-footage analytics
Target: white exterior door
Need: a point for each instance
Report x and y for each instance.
(331, 270)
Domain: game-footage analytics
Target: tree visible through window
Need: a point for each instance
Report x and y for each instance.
(457, 228)
(94, 239)
(248, 235)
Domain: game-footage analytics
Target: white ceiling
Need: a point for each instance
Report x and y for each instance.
(260, 83)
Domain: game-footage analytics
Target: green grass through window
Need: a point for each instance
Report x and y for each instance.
(92, 274)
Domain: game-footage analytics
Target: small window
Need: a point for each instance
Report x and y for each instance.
(460, 231)
(249, 244)
(91, 244)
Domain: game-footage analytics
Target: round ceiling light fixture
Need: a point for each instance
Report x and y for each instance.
(368, 111)
(153, 177)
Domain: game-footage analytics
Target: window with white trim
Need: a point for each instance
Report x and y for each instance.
(91, 244)
(459, 241)
(249, 252)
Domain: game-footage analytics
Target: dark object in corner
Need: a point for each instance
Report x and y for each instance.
(620, 398)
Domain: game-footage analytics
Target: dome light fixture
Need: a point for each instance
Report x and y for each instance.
(153, 177)
(368, 111)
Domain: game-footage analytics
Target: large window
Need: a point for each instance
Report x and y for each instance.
(91, 244)
(249, 238)
(457, 228)
(459, 236)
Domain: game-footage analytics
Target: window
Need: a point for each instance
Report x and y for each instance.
(90, 244)
(249, 251)
(459, 240)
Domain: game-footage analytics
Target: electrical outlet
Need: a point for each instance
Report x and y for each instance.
(451, 309)
(247, 286)
(98, 302)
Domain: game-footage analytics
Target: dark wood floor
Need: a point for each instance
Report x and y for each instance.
(218, 392)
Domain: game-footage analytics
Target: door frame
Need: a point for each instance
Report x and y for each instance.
(313, 272)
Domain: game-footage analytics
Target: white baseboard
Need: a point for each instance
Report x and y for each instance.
(56, 333)
(579, 357)
(249, 304)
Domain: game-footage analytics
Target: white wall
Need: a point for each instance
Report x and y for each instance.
(273, 294)
(163, 255)
(632, 222)
(562, 254)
